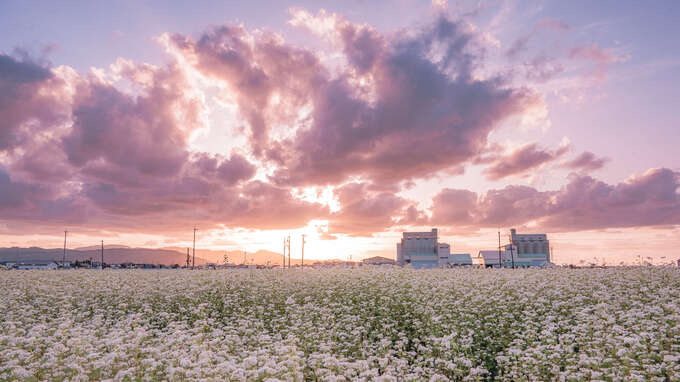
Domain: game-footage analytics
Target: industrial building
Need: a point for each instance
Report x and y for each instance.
(532, 243)
(419, 249)
(509, 258)
(423, 250)
(525, 250)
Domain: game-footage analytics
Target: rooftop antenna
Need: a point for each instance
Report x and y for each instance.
(303, 251)
(63, 260)
(193, 261)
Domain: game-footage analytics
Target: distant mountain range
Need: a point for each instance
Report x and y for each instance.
(98, 247)
(112, 255)
(115, 254)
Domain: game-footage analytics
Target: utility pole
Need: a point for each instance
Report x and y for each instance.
(193, 261)
(63, 260)
(283, 264)
(288, 251)
(512, 254)
(500, 263)
(102, 263)
(303, 252)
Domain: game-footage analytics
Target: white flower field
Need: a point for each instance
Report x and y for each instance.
(385, 324)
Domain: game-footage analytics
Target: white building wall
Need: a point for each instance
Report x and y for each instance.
(443, 252)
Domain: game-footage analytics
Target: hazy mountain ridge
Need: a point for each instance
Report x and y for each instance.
(112, 255)
(116, 253)
(98, 247)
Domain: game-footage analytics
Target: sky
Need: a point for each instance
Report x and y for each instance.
(350, 122)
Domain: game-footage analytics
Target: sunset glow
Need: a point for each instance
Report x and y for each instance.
(132, 122)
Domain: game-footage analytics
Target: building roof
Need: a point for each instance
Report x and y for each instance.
(460, 258)
(490, 254)
(37, 262)
(378, 258)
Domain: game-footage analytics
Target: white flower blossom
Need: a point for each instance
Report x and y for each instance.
(383, 324)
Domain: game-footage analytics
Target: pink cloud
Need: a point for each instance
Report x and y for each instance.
(586, 161)
(521, 160)
(521, 44)
(433, 111)
(78, 149)
(650, 199)
(363, 212)
(123, 161)
(600, 57)
(140, 133)
(31, 100)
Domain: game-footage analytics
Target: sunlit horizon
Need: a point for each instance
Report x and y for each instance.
(348, 122)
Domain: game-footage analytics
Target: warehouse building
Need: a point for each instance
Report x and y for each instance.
(490, 258)
(377, 260)
(37, 265)
(460, 260)
(509, 258)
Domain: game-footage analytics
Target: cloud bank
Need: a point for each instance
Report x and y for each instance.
(112, 150)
